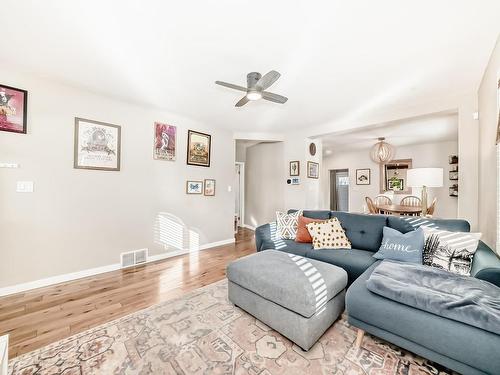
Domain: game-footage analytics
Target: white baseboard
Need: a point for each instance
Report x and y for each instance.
(18, 288)
(248, 227)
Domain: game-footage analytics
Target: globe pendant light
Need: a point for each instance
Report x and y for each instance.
(382, 152)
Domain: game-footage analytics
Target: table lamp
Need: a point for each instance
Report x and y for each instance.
(424, 178)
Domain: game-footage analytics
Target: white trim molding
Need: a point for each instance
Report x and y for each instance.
(249, 227)
(18, 288)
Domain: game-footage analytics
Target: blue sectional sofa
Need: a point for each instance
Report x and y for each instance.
(458, 346)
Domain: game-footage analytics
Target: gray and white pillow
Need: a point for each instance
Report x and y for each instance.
(451, 251)
(286, 224)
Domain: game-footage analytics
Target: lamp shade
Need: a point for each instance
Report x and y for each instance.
(429, 177)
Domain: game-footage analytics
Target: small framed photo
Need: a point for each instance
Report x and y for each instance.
(164, 141)
(97, 145)
(209, 188)
(396, 184)
(194, 187)
(294, 168)
(13, 109)
(453, 176)
(198, 148)
(312, 169)
(295, 181)
(363, 176)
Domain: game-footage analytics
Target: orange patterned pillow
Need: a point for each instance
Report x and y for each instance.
(302, 231)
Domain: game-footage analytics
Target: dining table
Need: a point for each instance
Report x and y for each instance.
(399, 209)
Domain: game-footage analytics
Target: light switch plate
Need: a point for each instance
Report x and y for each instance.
(24, 187)
(229, 188)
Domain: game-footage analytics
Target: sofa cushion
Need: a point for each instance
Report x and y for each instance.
(444, 336)
(364, 231)
(354, 261)
(299, 284)
(314, 214)
(292, 247)
(406, 224)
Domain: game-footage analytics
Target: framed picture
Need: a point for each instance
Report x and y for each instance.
(363, 176)
(198, 149)
(396, 184)
(97, 145)
(13, 109)
(295, 168)
(453, 159)
(164, 143)
(453, 176)
(194, 187)
(209, 187)
(312, 169)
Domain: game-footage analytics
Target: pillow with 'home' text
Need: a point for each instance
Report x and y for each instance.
(406, 247)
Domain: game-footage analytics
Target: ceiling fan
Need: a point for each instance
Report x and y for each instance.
(256, 84)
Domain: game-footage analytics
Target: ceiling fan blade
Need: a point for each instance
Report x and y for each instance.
(231, 86)
(267, 80)
(274, 97)
(242, 102)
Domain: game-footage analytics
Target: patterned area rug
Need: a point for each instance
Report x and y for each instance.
(203, 333)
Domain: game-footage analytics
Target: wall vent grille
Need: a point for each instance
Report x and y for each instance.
(133, 258)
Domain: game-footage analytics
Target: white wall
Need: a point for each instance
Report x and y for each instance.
(488, 120)
(264, 183)
(424, 155)
(80, 219)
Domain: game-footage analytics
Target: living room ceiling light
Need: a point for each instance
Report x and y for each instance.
(382, 152)
(254, 95)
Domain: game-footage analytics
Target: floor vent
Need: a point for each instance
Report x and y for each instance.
(133, 258)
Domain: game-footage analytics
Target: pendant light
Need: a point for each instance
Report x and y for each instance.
(382, 152)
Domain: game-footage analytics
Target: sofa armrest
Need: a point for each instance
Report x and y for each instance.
(265, 237)
(486, 264)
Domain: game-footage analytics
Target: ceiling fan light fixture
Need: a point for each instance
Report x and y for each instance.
(254, 95)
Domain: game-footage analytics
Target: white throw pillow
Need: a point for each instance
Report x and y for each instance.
(286, 224)
(328, 234)
(451, 251)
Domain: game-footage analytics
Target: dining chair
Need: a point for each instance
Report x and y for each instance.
(371, 206)
(382, 199)
(432, 207)
(412, 201)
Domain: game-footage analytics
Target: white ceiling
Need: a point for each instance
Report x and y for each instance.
(426, 129)
(334, 56)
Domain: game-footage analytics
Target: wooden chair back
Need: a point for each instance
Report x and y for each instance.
(382, 199)
(412, 201)
(371, 206)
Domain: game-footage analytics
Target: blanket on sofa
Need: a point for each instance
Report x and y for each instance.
(461, 298)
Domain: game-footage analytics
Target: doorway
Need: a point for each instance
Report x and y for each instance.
(239, 195)
(339, 190)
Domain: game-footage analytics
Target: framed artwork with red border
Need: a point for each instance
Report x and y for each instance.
(13, 109)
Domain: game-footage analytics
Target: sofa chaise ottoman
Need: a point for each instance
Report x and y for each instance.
(298, 297)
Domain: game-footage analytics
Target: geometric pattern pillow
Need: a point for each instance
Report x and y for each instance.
(287, 224)
(328, 234)
(451, 251)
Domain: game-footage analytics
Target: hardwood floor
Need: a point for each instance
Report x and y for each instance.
(36, 318)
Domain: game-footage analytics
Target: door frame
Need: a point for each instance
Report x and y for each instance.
(242, 192)
(333, 185)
